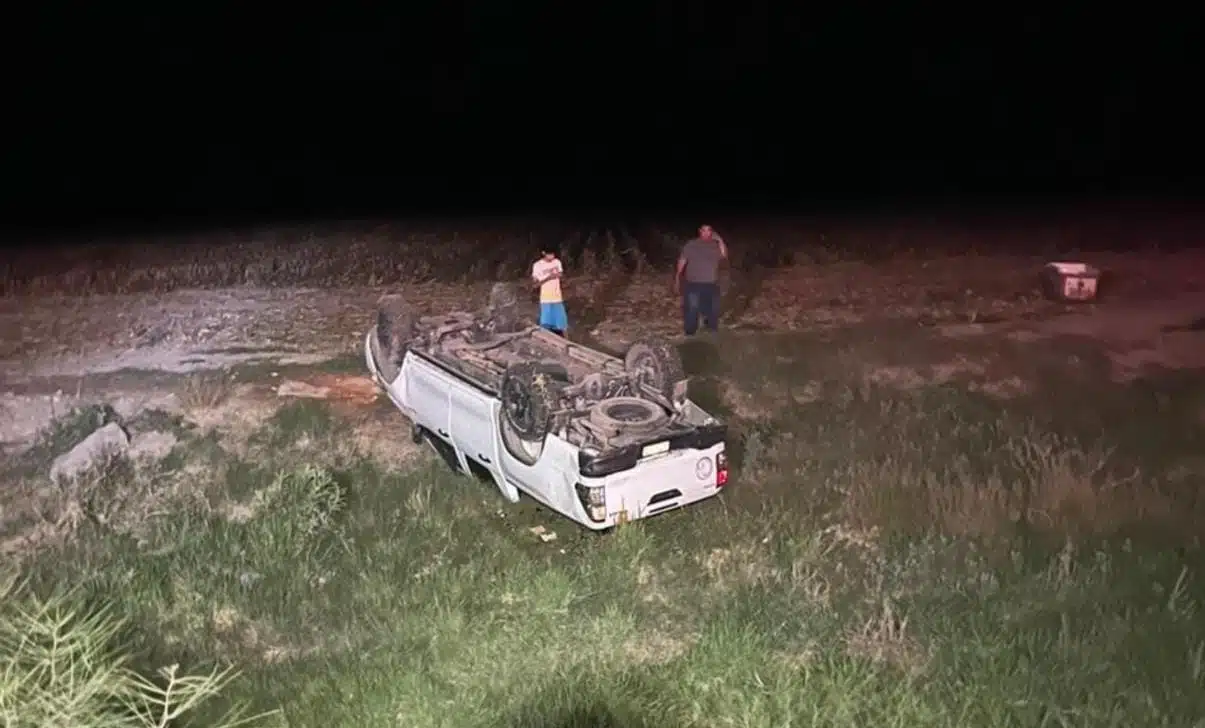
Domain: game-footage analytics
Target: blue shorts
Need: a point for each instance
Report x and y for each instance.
(553, 316)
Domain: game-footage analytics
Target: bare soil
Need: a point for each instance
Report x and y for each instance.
(138, 350)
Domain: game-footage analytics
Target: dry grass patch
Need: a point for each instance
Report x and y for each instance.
(206, 391)
(25, 541)
(244, 411)
(387, 441)
(657, 647)
(761, 404)
(236, 633)
(958, 368)
(742, 565)
(122, 498)
(897, 377)
(884, 638)
(977, 374)
(1077, 491)
(1006, 388)
(650, 584)
(1059, 488)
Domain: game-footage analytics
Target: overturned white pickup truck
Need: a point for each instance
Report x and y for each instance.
(595, 438)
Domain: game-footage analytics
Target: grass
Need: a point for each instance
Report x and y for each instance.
(890, 553)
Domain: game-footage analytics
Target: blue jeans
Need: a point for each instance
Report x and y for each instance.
(700, 299)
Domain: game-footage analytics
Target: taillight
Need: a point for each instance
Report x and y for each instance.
(594, 499)
(721, 470)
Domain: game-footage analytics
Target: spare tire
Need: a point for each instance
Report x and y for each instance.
(394, 330)
(629, 414)
(529, 396)
(655, 364)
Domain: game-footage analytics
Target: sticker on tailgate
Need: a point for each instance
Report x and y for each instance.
(657, 448)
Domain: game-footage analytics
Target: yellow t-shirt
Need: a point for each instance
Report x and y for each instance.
(550, 291)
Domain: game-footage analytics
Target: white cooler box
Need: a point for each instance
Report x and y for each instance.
(1070, 282)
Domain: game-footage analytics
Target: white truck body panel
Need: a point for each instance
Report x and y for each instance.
(467, 419)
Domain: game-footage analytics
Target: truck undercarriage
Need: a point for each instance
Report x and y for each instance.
(544, 382)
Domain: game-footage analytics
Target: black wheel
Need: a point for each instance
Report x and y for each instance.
(655, 364)
(530, 394)
(629, 414)
(395, 329)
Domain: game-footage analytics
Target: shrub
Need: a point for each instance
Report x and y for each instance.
(61, 665)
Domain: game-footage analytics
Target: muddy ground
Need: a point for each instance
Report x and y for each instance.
(188, 349)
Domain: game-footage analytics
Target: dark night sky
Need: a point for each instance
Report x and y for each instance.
(224, 113)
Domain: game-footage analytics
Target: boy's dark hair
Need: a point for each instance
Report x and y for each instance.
(548, 248)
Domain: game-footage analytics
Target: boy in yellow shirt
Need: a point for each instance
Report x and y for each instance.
(546, 273)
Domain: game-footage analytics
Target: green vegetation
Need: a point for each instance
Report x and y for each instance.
(892, 552)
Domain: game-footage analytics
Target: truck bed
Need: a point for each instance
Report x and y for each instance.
(603, 404)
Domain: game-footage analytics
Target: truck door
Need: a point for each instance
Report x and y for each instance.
(474, 417)
(426, 394)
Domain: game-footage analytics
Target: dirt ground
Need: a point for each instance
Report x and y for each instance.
(152, 350)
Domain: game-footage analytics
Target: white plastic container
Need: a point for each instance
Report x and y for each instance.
(1070, 282)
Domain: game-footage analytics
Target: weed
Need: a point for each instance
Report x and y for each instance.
(206, 390)
(297, 421)
(61, 664)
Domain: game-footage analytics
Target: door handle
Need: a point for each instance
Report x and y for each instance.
(482, 458)
(442, 433)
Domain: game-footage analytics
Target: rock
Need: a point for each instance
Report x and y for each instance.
(291, 388)
(129, 406)
(96, 449)
(152, 446)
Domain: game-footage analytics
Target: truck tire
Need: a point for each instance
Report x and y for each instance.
(629, 414)
(530, 394)
(656, 364)
(394, 330)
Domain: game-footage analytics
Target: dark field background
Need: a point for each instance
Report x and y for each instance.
(473, 249)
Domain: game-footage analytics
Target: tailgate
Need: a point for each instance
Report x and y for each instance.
(667, 480)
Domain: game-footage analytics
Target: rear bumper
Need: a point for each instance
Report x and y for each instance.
(648, 509)
(639, 494)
